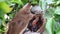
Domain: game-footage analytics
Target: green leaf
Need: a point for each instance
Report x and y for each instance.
(4, 8)
(34, 2)
(0, 22)
(51, 11)
(57, 17)
(8, 2)
(17, 1)
(58, 30)
(49, 1)
(43, 4)
(1, 26)
(24, 1)
(58, 2)
(57, 10)
(1, 0)
(50, 25)
(40, 3)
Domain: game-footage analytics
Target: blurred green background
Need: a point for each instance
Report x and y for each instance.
(51, 8)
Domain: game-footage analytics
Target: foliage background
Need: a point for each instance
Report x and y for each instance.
(51, 8)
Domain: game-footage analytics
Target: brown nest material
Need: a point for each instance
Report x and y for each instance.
(39, 24)
(23, 18)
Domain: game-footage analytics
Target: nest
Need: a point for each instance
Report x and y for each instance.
(39, 27)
